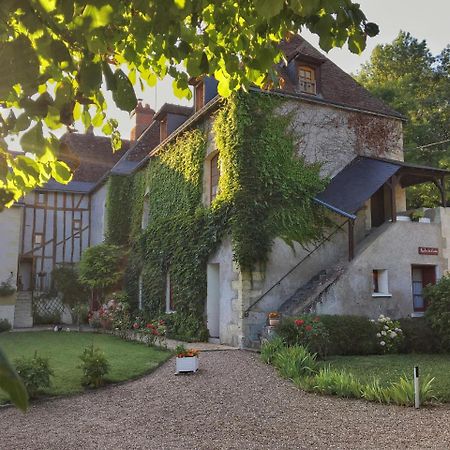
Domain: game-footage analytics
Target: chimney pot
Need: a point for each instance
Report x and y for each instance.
(143, 117)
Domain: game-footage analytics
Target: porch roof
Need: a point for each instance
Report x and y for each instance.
(359, 180)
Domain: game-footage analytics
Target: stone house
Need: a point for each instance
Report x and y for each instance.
(373, 259)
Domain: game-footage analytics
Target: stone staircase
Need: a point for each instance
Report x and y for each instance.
(305, 298)
(23, 313)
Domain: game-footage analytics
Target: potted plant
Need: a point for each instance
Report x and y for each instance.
(416, 215)
(274, 318)
(186, 360)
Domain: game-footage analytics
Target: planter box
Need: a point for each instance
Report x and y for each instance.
(187, 364)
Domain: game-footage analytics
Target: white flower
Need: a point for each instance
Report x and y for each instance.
(383, 333)
(386, 327)
(381, 316)
(378, 334)
(373, 321)
(387, 319)
(383, 343)
(393, 334)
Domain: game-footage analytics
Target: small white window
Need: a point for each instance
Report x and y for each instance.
(140, 303)
(170, 307)
(145, 213)
(380, 287)
(38, 240)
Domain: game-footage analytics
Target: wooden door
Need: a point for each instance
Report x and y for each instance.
(422, 276)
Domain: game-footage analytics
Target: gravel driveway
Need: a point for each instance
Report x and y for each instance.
(234, 402)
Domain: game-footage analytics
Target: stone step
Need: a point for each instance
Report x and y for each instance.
(23, 311)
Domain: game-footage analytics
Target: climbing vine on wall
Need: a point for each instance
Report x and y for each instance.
(265, 191)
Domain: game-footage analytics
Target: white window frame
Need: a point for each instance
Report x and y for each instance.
(140, 293)
(168, 289)
(383, 283)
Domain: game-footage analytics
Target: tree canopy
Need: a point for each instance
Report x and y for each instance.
(56, 55)
(406, 75)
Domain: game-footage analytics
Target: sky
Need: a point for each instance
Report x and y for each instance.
(429, 20)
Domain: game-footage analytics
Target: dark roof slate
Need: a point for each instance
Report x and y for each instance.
(90, 156)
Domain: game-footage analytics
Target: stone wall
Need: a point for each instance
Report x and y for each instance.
(10, 238)
(334, 136)
(392, 247)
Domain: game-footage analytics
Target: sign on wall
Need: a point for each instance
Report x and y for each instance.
(428, 251)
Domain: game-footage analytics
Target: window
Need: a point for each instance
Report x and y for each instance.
(170, 305)
(140, 296)
(199, 95)
(38, 240)
(40, 198)
(76, 228)
(214, 177)
(307, 80)
(380, 286)
(145, 212)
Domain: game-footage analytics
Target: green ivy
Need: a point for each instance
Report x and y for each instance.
(265, 191)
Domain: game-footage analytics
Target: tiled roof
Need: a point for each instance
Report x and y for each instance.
(336, 85)
(174, 109)
(90, 156)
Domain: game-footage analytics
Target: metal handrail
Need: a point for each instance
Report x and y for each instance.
(247, 311)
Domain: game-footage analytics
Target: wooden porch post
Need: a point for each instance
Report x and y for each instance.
(443, 193)
(393, 199)
(351, 239)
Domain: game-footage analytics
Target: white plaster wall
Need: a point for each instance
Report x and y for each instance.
(98, 200)
(394, 248)
(10, 234)
(7, 312)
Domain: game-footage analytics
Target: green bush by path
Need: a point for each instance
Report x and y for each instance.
(128, 360)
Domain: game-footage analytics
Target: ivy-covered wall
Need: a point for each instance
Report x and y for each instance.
(265, 191)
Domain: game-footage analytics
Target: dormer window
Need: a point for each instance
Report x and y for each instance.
(307, 80)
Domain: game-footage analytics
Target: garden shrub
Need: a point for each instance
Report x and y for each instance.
(333, 382)
(95, 367)
(306, 330)
(35, 373)
(438, 311)
(4, 325)
(295, 361)
(389, 335)
(185, 327)
(419, 337)
(350, 335)
(270, 348)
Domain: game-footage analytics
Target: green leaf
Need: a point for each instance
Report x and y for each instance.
(11, 383)
(61, 172)
(268, 8)
(90, 76)
(109, 76)
(124, 95)
(33, 140)
(371, 29)
(357, 43)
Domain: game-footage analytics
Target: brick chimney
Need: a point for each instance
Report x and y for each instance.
(143, 117)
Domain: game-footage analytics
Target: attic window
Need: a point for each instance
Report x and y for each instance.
(307, 80)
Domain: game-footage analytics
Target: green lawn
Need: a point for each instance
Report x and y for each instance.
(127, 359)
(390, 367)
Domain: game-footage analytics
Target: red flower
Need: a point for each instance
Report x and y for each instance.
(299, 322)
(155, 332)
(161, 322)
(150, 325)
(308, 328)
(135, 325)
